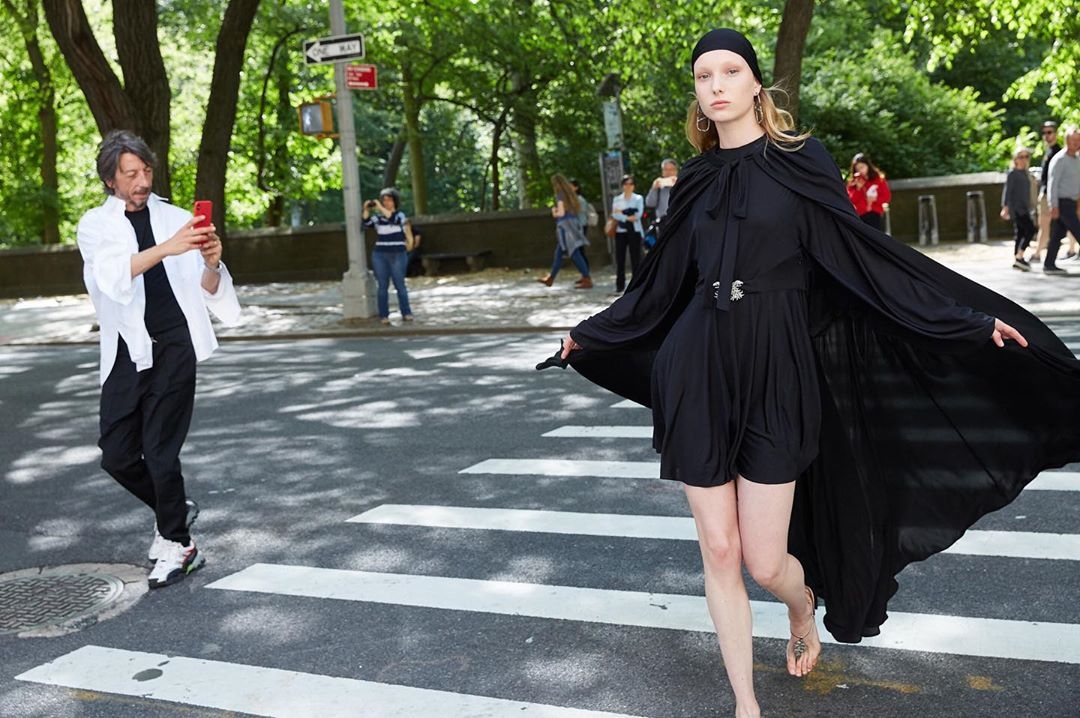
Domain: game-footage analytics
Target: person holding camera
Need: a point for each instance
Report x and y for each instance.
(390, 260)
(868, 191)
(626, 210)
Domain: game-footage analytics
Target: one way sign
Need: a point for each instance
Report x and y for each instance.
(340, 48)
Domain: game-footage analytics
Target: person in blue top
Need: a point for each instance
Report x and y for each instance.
(569, 236)
(390, 258)
(626, 210)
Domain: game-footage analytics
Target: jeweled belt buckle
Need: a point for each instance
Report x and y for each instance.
(736, 290)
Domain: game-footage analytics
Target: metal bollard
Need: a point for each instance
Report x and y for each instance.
(976, 217)
(928, 225)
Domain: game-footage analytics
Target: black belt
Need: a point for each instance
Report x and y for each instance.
(786, 276)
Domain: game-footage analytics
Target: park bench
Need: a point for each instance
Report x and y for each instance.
(474, 260)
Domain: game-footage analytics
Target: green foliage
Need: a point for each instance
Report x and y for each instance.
(924, 86)
(878, 102)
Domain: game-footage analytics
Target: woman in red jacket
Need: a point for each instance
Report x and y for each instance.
(868, 191)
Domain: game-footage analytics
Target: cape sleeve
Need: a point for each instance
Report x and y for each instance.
(873, 267)
(620, 343)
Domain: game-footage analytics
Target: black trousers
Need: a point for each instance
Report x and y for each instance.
(1066, 222)
(1023, 231)
(145, 418)
(626, 241)
(874, 219)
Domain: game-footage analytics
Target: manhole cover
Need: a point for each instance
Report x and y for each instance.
(62, 598)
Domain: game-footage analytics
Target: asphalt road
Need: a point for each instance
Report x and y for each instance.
(291, 440)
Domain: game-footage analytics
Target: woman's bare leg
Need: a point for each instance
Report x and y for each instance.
(716, 518)
(764, 516)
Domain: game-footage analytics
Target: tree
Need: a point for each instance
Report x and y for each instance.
(221, 109)
(27, 20)
(141, 104)
(790, 45)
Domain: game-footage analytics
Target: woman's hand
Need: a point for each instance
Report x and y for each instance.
(1002, 331)
(568, 345)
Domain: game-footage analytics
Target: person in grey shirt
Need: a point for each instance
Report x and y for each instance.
(660, 192)
(1016, 206)
(1062, 192)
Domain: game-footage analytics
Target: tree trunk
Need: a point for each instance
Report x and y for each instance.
(393, 161)
(790, 42)
(525, 139)
(415, 141)
(29, 21)
(272, 165)
(221, 107)
(145, 81)
(108, 103)
(495, 188)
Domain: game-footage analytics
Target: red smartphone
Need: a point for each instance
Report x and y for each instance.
(205, 208)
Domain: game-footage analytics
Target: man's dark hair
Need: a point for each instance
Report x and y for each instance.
(115, 144)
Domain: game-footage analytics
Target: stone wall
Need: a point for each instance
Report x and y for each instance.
(516, 239)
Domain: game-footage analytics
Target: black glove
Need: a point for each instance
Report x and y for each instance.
(554, 361)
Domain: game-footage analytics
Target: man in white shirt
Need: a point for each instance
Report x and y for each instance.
(151, 275)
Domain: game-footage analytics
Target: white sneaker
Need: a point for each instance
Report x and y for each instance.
(157, 545)
(175, 561)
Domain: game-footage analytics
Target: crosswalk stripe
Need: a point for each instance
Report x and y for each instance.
(627, 404)
(928, 633)
(1010, 544)
(601, 432)
(274, 692)
(1046, 481)
(568, 467)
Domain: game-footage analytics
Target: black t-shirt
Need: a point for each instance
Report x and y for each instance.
(162, 312)
(1044, 175)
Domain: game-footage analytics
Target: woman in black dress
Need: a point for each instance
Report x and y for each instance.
(776, 337)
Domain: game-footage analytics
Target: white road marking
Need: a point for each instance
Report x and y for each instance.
(930, 633)
(273, 692)
(1009, 544)
(1046, 481)
(601, 432)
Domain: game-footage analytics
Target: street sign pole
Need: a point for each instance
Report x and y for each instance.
(357, 285)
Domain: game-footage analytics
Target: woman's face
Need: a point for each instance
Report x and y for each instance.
(862, 168)
(628, 187)
(724, 86)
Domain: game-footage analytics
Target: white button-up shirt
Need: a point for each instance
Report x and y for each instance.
(107, 242)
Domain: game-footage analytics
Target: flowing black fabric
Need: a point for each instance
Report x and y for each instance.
(902, 420)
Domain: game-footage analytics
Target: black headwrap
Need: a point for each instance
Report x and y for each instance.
(728, 39)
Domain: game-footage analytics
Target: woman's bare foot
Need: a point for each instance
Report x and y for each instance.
(804, 646)
(747, 711)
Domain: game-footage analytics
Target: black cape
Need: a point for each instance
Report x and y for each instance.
(926, 425)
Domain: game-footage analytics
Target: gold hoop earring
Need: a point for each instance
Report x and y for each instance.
(759, 115)
(701, 116)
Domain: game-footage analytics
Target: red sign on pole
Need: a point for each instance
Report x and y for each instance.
(361, 77)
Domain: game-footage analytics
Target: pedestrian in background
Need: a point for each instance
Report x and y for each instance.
(390, 258)
(151, 275)
(868, 191)
(626, 210)
(656, 202)
(1051, 147)
(1016, 206)
(1062, 194)
(569, 236)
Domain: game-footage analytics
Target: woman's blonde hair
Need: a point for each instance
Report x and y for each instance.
(776, 122)
(564, 189)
